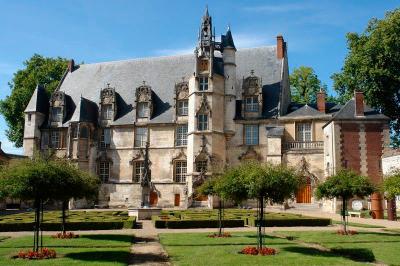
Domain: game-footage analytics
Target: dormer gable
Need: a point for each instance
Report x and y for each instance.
(144, 101)
(108, 106)
(252, 100)
(57, 110)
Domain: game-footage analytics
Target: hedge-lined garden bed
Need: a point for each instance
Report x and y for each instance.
(232, 218)
(77, 220)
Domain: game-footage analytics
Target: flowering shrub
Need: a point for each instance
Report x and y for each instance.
(349, 232)
(215, 235)
(262, 251)
(45, 253)
(65, 236)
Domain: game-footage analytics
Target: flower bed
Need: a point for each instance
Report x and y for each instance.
(44, 253)
(225, 234)
(67, 235)
(258, 251)
(349, 232)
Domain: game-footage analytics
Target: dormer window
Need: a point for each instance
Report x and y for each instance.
(251, 104)
(143, 109)
(106, 112)
(181, 98)
(203, 83)
(56, 114)
(144, 101)
(183, 107)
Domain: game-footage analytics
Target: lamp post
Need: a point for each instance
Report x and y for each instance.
(145, 181)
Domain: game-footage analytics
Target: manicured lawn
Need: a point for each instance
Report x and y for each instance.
(384, 246)
(359, 225)
(86, 250)
(198, 249)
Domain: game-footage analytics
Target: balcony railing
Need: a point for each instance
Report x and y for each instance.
(304, 145)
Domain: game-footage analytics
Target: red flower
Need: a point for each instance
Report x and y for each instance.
(255, 251)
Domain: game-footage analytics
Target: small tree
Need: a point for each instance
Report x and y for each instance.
(264, 182)
(391, 187)
(345, 185)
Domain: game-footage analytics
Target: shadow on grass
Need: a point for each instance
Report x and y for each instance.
(143, 258)
(355, 254)
(100, 256)
(109, 237)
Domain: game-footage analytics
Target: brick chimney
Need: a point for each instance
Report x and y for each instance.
(359, 101)
(280, 47)
(321, 100)
(71, 65)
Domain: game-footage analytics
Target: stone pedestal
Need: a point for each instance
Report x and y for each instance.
(143, 213)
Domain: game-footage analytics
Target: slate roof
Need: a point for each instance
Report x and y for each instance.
(227, 40)
(305, 111)
(161, 73)
(39, 101)
(86, 111)
(348, 112)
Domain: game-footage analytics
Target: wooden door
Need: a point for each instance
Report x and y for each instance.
(303, 195)
(153, 198)
(177, 200)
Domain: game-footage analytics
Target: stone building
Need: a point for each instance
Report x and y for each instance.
(199, 112)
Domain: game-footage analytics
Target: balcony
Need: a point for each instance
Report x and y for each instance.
(304, 145)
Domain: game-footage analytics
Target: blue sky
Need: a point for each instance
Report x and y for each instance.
(94, 31)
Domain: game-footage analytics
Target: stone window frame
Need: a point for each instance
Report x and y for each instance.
(57, 102)
(57, 114)
(204, 82)
(202, 122)
(144, 94)
(108, 106)
(181, 138)
(55, 139)
(204, 111)
(179, 174)
(143, 110)
(252, 106)
(182, 99)
(299, 127)
(104, 175)
(107, 112)
(251, 89)
(253, 139)
(142, 142)
(201, 166)
(137, 176)
(183, 107)
(102, 141)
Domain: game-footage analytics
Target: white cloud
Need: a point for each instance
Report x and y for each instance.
(8, 147)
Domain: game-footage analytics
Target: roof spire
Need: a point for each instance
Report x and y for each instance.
(206, 12)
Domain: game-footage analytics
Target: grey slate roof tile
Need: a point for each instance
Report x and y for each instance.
(39, 101)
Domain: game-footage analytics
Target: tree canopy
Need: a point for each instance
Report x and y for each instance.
(391, 184)
(304, 84)
(37, 70)
(372, 65)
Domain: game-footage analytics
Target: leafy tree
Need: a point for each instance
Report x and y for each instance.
(304, 85)
(345, 185)
(373, 66)
(37, 69)
(391, 184)
(264, 182)
(41, 179)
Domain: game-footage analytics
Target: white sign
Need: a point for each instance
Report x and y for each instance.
(357, 205)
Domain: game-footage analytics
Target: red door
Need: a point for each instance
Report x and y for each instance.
(153, 198)
(177, 200)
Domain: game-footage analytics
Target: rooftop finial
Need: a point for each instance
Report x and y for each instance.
(229, 27)
(206, 12)
(108, 85)
(252, 72)
(144, 82)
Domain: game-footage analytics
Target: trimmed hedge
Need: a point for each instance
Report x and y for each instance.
(291, 222)
(185, 224)
(81, 225)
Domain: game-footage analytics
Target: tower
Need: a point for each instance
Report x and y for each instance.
(35, 115)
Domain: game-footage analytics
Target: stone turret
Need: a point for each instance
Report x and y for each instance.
(35, 115)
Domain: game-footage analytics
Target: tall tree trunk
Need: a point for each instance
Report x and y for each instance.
(260, 222)
(344, 209)
(219, 217)
(40, 224)
(64, 207)
(36, 226)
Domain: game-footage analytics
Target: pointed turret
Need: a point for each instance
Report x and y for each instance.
(227, 40)
(206, 34)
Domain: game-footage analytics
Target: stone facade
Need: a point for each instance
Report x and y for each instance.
(199, 113)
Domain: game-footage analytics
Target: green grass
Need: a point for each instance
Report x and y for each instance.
(359, 225)
(73, 216)
(198, 249)
(86, 250)
(384, 246)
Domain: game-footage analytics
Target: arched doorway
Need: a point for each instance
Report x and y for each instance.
(303, 194)
(153, 198)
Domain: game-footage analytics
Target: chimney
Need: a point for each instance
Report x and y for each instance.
(280, 47)
(359, 101)
(71, 65)
(321, 100)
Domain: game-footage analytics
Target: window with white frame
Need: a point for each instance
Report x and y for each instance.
(303, 132)
(251, 134)
(251, 104)
(201, 166)
(104, 171)
(106, 112)
(203, 83)
(202, 122)
(183, 107)
(180, 171)
(105, 138)
(55, 139)
(138, 171)
(143, 109)
(140, 136)
(56, 114)
(181, 135)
